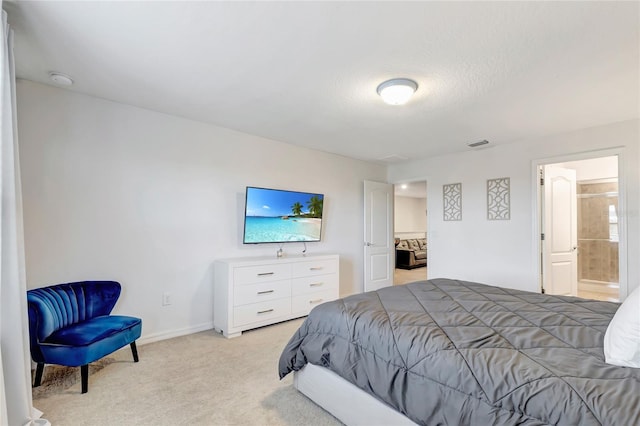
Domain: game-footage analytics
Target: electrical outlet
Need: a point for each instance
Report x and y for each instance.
(166, 299)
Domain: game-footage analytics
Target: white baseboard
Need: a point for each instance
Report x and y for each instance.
(169, 334)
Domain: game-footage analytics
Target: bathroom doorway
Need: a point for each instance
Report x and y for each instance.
(410, 231)
(580, 228)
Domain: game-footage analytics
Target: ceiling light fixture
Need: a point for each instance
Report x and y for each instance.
(397, 91)
(61, 79)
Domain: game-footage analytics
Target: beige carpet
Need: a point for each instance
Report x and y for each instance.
(57, 378)
(200, 379)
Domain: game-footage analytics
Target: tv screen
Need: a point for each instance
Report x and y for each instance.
(277, 216)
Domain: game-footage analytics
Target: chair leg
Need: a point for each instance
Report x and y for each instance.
(39, 371)
(134, 351)
(84, 374)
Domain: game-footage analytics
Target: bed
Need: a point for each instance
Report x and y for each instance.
(460, 353)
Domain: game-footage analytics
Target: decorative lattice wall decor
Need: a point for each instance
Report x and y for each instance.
(452, 201)
(498, 199)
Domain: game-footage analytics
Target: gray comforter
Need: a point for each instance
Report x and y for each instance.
(460, 353)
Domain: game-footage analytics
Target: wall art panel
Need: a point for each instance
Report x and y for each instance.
(452, 201)
(499, 199)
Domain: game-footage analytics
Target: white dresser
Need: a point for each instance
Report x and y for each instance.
(258, 291)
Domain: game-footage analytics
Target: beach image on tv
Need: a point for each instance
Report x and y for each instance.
(282, 216)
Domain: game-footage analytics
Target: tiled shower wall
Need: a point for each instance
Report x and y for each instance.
(597, 236)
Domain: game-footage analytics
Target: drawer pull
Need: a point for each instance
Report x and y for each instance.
(265, 292)
(311, 302)
(265, 312)
(264, 274)
(316, 268)
(315, 284)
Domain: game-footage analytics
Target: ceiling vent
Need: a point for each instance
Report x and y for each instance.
(479, 143)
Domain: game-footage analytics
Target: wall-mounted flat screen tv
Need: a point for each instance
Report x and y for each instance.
(277, 216)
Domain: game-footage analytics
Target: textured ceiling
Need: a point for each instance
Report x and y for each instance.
(306, 73)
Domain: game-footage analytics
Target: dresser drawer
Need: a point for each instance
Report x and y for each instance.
(314, 284)
(256, 274)
(314, 267)
(303, 303)
(261, 312)
(260, 292)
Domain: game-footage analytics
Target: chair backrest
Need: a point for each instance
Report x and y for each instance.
(57, 306)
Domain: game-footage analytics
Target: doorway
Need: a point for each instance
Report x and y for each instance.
(579, 219)
(410, 232)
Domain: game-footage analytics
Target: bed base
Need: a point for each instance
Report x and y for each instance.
(345, 401)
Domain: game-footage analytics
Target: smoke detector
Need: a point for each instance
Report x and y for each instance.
(61, 79)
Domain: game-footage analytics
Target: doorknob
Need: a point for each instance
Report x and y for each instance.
(368, 244)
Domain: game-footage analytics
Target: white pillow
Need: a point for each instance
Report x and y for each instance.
(622, 339)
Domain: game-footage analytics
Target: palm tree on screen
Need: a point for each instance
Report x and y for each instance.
(315, 206)
(297, 209)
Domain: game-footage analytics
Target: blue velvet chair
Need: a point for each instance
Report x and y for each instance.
(69, 324)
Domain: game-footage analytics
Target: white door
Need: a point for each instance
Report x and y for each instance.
(379, 247)
(559, 248)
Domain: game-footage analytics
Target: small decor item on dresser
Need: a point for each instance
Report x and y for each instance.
(452, 201)
(499, 199)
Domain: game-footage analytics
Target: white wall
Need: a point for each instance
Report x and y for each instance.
(116, 192)
(503, 252)
(410, 218)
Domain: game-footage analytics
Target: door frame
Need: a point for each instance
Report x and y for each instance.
(426, 196)
(622, 207)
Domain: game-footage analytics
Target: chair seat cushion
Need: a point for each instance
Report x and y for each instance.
(87, 341)
(87, 332)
